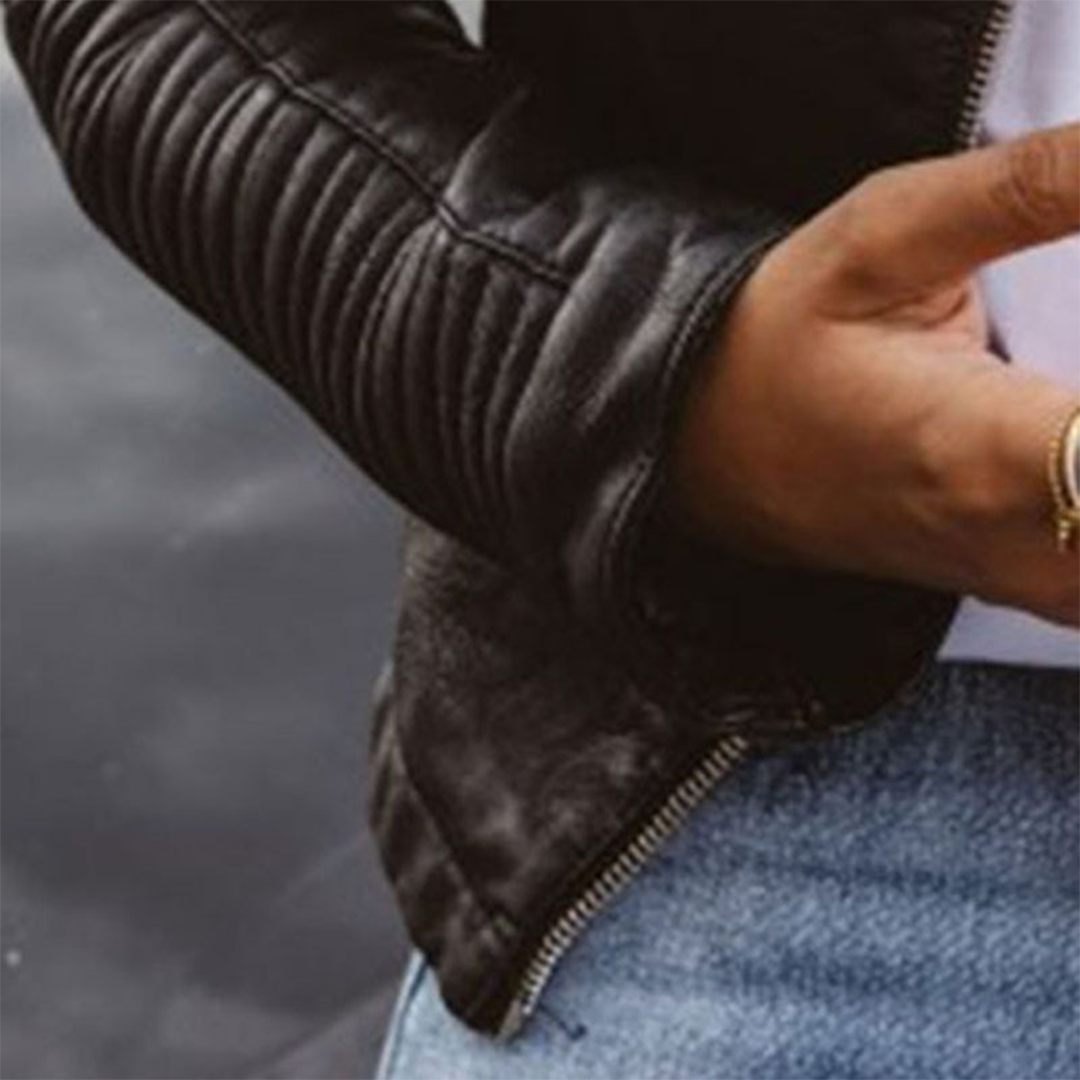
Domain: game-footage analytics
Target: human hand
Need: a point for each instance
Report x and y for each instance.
(851, 416)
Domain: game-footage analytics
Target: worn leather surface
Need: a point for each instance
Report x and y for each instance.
(486, 275)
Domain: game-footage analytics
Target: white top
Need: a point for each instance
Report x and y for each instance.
(1033, 298)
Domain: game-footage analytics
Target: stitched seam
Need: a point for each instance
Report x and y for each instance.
(332, 319)
(461, 229)
(397, 397)
(348, 381)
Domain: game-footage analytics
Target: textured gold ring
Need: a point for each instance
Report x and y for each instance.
(1062, 472)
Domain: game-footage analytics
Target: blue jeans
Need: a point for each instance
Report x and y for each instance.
(898, 901)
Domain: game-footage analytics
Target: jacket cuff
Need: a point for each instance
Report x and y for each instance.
(735, 645)
(678, 612)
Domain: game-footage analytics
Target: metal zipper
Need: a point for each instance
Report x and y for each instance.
(967, 129)
(660, 825)
(725, 754)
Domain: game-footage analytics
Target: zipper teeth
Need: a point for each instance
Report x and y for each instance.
(725, 754)
(660, 825)
(997, 20)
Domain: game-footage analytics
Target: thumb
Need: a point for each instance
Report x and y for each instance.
(907, 229)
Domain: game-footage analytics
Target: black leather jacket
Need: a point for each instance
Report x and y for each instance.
(487, 274)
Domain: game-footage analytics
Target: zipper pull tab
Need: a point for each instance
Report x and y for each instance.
(512, 1022)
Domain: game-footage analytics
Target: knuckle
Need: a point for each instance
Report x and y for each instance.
(1030, 187)
(867, 202)
(861, 226)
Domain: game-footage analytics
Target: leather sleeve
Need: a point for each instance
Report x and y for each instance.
(491, 319)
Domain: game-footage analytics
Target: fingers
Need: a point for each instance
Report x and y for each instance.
(907, 230)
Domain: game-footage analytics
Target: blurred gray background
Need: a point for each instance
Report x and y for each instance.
(198, 594)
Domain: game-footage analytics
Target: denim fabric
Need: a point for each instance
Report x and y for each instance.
(897, 901)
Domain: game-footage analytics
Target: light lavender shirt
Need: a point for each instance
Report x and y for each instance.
(1033, 298)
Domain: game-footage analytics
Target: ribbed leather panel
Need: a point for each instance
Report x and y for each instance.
(495, 318)
(345, 191)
